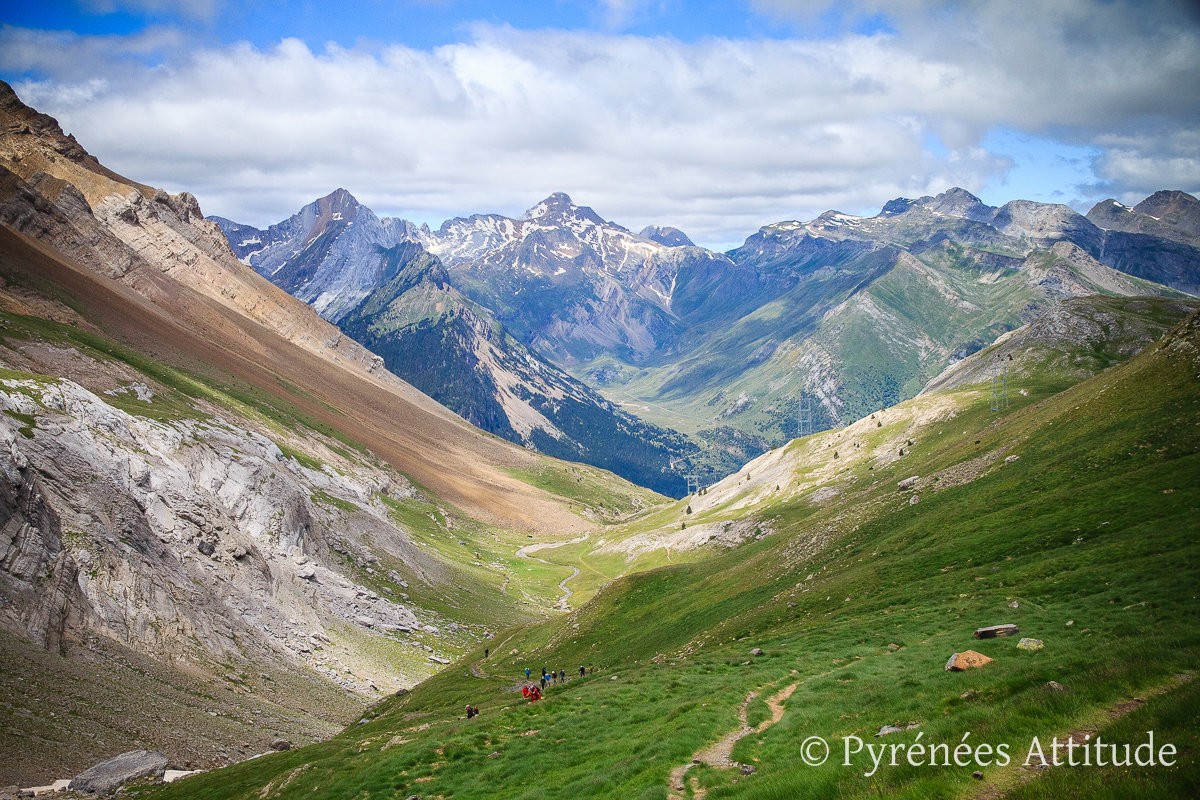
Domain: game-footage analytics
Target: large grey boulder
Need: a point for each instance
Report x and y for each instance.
(108, 775)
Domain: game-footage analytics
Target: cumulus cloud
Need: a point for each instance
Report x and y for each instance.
(717, 137)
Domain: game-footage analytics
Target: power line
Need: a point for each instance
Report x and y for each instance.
(1000, 386)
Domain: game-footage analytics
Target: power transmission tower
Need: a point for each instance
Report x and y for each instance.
(804, 416)
(1000, 387)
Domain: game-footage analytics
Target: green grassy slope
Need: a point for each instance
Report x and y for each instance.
(1088, 541)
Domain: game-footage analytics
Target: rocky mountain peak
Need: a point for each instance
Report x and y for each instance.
(337, 206)
(957, 202)
(1171, 215)
(559, 207)
(1175, 209)
(16, 117)
(896, 207)
(339, 199)
(1163, 202)
(666, 235)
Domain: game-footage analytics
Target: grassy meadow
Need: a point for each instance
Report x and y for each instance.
(1089, 539)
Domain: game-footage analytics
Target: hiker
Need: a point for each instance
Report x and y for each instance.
(543, 683)
(472, 711)
(544, 673)
(486, 650)
(528, 672)
(582, 671)
(525, 691)
(534, 694)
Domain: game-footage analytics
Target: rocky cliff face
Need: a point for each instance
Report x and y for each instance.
(191, 539)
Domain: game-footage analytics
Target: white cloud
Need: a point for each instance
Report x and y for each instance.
(717, 137)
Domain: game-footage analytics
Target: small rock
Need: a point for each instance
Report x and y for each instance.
(893, 647)
(281, 744)
(758, 651)
(1030, 644)
(969, 694)
(748, 769)
(977, 775)
(1070, 622)
(991, 631)
(494, 754)
(1011, 459)
(1014, 604)
(908, 483)
(967, 659)
(916, 498)
(206, 548)
(1055, 686)
(306, 572)
(439, 660)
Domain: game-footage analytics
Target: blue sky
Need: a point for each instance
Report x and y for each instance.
(714, 117)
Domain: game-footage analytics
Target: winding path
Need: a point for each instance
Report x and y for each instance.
(527, 552)
(562, 601)
(720, 753)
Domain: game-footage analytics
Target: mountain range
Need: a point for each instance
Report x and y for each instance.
(852, 313)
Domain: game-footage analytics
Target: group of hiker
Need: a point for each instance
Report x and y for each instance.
(534, 691)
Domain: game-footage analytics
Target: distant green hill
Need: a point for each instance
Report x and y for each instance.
(1072, 514)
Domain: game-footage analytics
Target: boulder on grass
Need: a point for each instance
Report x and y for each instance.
(1030, 644)
(991, 631)
(967, 659)
(118, 771)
